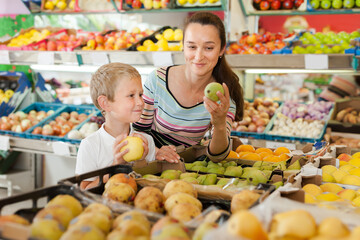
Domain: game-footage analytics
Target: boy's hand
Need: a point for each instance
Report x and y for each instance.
(118, 156)
(145, 144)
(167, 153)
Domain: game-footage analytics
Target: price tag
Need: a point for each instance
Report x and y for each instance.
(61, 148)
(290, 146)
(100, 58)
(46, 58)
(4, 57)
(161, 59)
(4, 143)
(244, 140)
(316, 61)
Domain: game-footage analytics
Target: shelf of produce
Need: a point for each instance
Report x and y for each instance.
(38, 146)
(256, 61)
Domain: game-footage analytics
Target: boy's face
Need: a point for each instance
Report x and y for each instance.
(128, 102)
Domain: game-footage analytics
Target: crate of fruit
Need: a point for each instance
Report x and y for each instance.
(198, 4)
(99, 5)
(273, 7)
(57, 126)
(346, 116)
(17, 123)
(343, 6)
(257, 116)
(62, 6)
(163, 39)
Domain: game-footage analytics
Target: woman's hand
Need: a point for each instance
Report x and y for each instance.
(118, 156)
(218, 111)
(145, 144)
(167, 153)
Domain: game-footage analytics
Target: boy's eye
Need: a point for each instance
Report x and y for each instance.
(141, 94)
(131, 95)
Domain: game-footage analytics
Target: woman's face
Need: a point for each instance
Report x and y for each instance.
(202, 48)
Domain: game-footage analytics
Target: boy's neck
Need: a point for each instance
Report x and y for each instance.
(116, 128)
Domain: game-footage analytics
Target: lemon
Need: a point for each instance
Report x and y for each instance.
(213, 1)
(169, 34)
(141, 48)
(159, 36)
(182, 2)
(49, 5)
(162, 45)
(192, 1)
(356, 155)
(148, 42)
(72, 5)
(152, 48)
(202, 1)
(9, 93)
(1, 91)
(61, 5)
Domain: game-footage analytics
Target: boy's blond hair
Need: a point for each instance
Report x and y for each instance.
(105, 80)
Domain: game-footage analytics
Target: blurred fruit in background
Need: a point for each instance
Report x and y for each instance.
(277, 4)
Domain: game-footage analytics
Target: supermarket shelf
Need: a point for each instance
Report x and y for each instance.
(37, 146)
(288, 61)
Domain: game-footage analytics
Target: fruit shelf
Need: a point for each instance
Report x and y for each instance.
(246, 10)
(258, 61)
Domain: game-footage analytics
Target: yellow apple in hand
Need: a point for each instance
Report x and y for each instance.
(136, 149)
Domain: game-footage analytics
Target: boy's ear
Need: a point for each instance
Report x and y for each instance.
(103, 102)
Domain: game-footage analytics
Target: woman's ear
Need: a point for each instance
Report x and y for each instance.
(103, 102)
(222, 52)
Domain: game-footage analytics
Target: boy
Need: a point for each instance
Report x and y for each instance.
(116, 90)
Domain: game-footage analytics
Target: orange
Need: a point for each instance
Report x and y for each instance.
(272, 159)
(245, 148)
(260, 150)
(281, 150)
(264, 154)
(241, 154)
(233, 154)
(284, 157)
(251, 156)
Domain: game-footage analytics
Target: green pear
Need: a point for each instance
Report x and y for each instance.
(188, 166)
(203, 229)
(255, 177)
(278, 184)
(228, 164)
(280, 165)
(219, 170)
(267, 173)
(258, 164)
(211, 90)
(223, 181)
(233, 171)
(171, 174)
(191, 180)
(200, 163)
(150, 176)
(198, 168)
(242, 183)
(188, 174)
(248, 169)
(210, 179)
(201, 179)
(266, 167)
(213, 165)
(295, 166)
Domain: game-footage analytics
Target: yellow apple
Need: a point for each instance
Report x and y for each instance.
(136, 149)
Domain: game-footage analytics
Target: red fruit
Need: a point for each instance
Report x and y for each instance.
(264, 5)
(256, 1)
(51, 46)
(288, 4)
(136, 4)
(275, 5)
(129, 2)
(297, 3)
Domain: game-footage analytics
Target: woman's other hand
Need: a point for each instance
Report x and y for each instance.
(167, 153)
(218, 111)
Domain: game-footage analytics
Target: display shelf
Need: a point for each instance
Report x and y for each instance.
(38, 146)
(295, 12)
(288, 61)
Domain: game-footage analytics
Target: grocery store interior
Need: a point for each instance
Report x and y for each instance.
(293, 168)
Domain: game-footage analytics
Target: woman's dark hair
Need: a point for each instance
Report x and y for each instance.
(222, 71)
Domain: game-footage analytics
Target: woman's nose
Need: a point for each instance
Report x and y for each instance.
(198, 54)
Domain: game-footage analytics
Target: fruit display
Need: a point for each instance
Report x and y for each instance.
(258, 44)
(313, 111)
(257, 115)
(277, 4)
(333, 4)
(348, 173)
(147, 4)
(115, 40)
(248, 152)
(325, 43)
(197, 3)
(64, 40)
(6, 95)
(28, 37)
(59, 5)
(166, 40)
(348, 115)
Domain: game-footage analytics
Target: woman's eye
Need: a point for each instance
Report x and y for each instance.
(209, 48)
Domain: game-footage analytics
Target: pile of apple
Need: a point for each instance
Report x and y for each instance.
(327, 43)
(168, 40)
(115, 40)
(59, 5)
(65, 42)
(20, 121)
(61, 125)
(277, 4)
(258, 44)
(334, 4)
(147, 4)
(256, 115)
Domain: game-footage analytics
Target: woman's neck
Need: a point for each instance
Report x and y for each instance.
(197, 83)
(114, 128)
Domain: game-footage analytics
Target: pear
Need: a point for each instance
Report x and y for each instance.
(228, 164)
(188, 166)
(191, 180)
(201, 179)
(210, 179)
(188, 174)
(233, 171)
(278, 184)
(198, 168)
(171, 174)
(219, 170)
(200, 163)
(223, 181)
(279, 165)
(295, 166)
(255, 176)
(211, 90)
(242, 183)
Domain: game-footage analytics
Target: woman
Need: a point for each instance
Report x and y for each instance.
(176, 111)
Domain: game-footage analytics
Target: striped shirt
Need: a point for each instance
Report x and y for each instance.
(167, 121)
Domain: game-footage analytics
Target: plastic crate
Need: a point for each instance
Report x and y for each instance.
(37, 107)
(89, 110)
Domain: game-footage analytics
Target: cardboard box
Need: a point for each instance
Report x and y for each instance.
(157, 167)
(342, 104)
